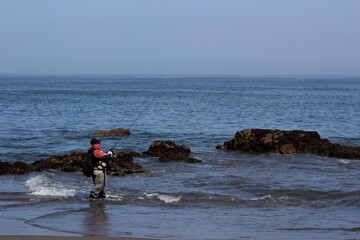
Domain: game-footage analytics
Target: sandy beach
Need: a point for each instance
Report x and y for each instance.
(68, 238)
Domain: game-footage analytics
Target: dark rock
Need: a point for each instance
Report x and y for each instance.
(287, 142)
(14, 168)
(134, 154)
(112, 132)
(66, 163)
(124, 164)
(73, 162)
(168, 151)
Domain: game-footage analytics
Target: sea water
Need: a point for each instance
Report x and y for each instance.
(228, 195)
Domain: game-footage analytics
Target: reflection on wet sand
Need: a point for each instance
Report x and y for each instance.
(96, 221)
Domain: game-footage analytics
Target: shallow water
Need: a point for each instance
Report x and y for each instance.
(227, 196)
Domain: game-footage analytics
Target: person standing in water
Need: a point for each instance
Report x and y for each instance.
(100, 160)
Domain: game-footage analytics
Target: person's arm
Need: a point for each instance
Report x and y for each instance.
(104, 156)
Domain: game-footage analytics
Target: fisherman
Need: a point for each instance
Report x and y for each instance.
(101, 161)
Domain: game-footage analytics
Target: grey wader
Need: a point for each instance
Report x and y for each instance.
(99, 176)
(99, 179)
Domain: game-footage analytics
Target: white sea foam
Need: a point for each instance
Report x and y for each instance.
(163, 197)
(114, 197)
(45, 186)
(343, 161)
(266, 197)
(157, 171)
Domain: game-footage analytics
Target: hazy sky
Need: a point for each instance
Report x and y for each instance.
(265, 37)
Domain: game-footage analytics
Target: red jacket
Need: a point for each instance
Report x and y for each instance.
(101, 156)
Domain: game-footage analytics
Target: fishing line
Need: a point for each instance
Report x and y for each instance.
(147, 106)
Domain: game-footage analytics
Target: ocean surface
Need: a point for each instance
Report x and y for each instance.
(229, 195)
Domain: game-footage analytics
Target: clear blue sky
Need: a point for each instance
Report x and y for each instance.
(256, 37)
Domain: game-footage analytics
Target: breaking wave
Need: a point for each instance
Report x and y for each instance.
(44, 185)
(162, 197)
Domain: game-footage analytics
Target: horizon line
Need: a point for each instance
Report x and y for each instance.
(180, 75)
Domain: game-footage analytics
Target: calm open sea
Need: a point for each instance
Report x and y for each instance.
(228, 196)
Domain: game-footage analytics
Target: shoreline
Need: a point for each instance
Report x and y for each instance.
(44, 237)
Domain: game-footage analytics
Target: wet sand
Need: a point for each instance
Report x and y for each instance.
(69, 238)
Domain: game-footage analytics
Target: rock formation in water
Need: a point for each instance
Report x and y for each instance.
(14, 168)
(124, 164)
(112, 133)
(168, 151)
(121, 165)
(287, 142)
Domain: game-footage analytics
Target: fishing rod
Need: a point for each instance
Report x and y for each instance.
(147, 106)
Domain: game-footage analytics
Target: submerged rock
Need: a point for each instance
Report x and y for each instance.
(287, 142)
(112, 132)
(168, 151)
